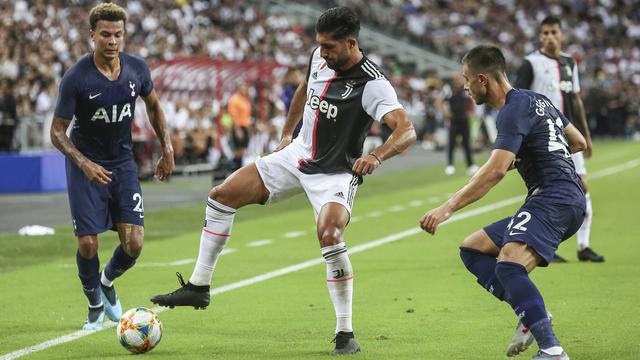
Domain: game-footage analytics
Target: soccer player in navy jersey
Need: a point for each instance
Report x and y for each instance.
(535, 138)
(100, 92)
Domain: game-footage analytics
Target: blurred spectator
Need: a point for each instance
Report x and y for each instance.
(239, 108)
(8, 116)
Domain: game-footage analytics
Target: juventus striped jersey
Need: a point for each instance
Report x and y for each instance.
(555, 78)
(340, 109)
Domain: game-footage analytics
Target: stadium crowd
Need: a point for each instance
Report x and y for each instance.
(44, 38)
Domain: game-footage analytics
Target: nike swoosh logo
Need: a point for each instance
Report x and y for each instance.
(94, 96)
(517, 233)
(141, 216)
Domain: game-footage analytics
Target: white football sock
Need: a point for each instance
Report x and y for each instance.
(585, 230)
(105, 281)
(340, 284)
(215, 234)
(554, 350)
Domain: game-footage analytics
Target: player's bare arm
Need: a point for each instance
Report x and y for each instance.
(486, 178)
(402, 136)
(583, 126)
(166, 164)
(577, 142)
(61, 141)
(294, 115)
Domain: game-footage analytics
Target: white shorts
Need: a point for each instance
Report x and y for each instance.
(281, 176)
(578, 162)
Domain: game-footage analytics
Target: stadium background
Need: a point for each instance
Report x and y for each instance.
(202, 52)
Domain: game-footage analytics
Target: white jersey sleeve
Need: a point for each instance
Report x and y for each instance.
(379, 98)
(575, 78)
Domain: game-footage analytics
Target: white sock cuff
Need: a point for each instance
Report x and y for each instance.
(333, 250)
(221, 208)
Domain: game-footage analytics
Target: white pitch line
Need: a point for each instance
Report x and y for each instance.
(397, 208)
(259, 243)
(309, 263)
(294, 234)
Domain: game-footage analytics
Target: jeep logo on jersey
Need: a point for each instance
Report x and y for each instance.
(102, 114)
(326, 108)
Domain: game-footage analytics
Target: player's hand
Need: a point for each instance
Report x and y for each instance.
(588, 151)
(286, 140)
(365, 165)
(96, 173)
(432, 218)
(165, 166)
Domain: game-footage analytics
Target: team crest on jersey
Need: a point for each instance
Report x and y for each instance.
(348, 90)
(132, 86)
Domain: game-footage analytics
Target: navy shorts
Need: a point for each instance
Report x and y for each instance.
(539, 225)
(96, 208)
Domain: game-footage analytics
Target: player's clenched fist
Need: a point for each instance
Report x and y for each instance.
(366, 164)
(96, 173)
(430, 220)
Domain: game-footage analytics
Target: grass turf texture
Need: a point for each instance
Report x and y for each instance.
(413, 298)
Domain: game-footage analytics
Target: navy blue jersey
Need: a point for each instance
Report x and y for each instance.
(533, 129)
(103, 109)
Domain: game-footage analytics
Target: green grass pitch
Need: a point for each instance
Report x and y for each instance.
(413, 297)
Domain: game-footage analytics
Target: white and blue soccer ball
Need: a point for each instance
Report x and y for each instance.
(139, 330)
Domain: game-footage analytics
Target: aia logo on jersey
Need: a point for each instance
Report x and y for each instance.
(115, 116)
(330, 110)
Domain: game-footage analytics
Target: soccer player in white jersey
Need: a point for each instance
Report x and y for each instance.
(554, 74)
(342, 95)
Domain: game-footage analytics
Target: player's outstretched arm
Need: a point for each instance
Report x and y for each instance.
(583, 126)
(166, 164)
(61, 141)
(577, 142)
(296, 109)
(484, 179)
(402, 136)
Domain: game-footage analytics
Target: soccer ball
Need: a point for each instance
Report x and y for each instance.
(139, 330)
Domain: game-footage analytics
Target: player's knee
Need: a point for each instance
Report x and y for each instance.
(330, 235)
(88, 246)
(133, 244)
(223, 195)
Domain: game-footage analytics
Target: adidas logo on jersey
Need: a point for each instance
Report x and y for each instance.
(339, 194)
(326, 108)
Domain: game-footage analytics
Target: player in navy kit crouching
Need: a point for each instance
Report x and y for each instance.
(534, 137)
(100, 92)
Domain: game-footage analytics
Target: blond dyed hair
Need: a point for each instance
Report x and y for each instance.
(108, 12)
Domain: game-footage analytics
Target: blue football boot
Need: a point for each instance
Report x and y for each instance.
(112, 306)
(94, 319)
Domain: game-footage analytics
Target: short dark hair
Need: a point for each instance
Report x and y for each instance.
(551, 20)
(106, 11)
(340, 22)
(486, 58)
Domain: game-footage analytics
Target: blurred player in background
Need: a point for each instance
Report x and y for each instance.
(100, 92)
(531, 138)
(554, 74)
(456, 110)
(342, 95)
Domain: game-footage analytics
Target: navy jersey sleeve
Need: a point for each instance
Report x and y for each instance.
(512, 125)
(525, 75)
(565, 120)
(67, 96)
(147, 83)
